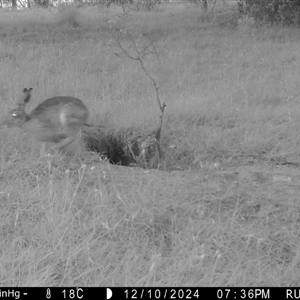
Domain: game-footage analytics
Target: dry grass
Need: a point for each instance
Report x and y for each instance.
(230, 217)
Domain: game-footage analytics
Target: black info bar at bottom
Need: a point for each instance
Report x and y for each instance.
(154, 293)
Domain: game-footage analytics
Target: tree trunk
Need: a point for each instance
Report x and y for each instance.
(14, 3)
(204, 5)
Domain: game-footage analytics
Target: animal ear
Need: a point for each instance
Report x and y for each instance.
(25, 97)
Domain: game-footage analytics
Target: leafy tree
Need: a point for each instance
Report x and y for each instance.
(286, 12)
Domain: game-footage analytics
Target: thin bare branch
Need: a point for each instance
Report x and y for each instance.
(139, 55)
(214, 5)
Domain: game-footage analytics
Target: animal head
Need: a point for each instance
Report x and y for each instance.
(17, 116)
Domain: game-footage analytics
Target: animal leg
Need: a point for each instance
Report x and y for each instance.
(43, 150)
(65, 142)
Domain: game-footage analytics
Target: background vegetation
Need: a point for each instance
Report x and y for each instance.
(285, 12)
(225, 209)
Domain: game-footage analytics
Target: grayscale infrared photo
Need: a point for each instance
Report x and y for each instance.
(150, 143)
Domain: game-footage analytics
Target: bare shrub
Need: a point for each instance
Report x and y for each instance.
(69, 15)
(147, 5)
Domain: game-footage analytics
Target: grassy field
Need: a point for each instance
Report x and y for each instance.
(225, 209)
